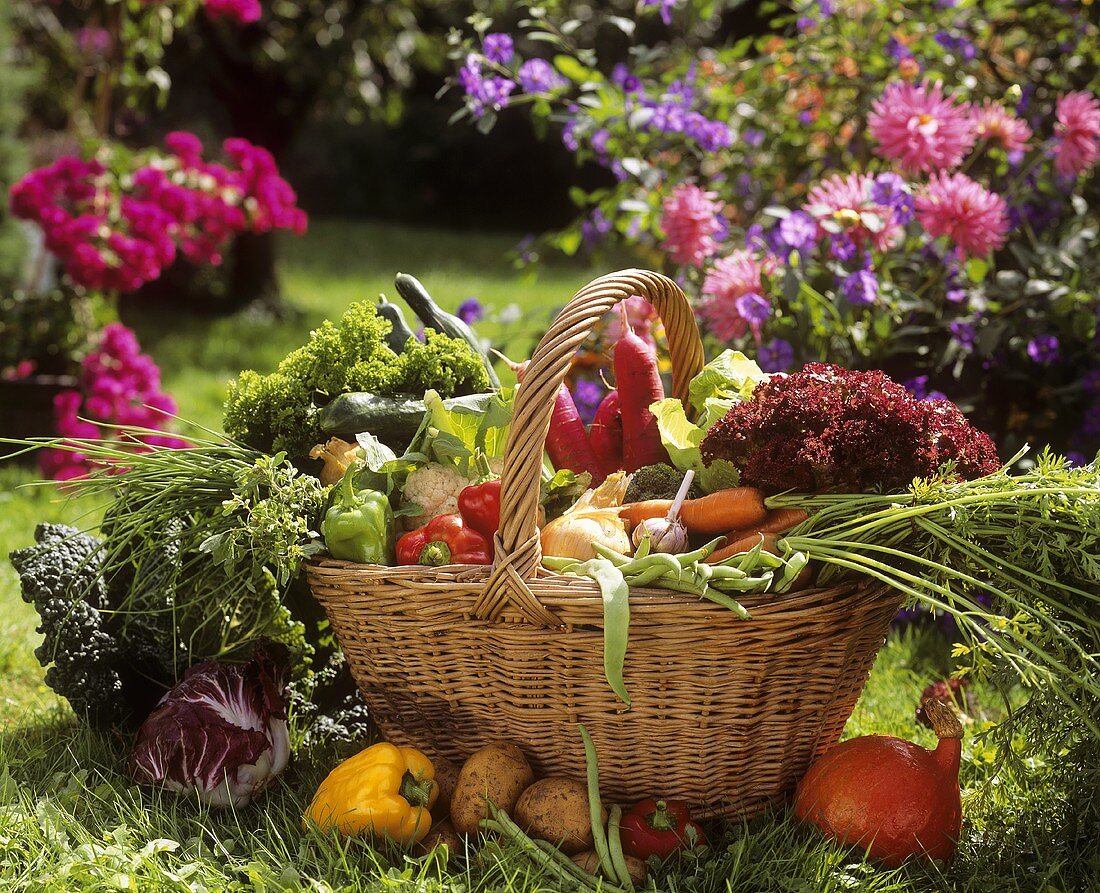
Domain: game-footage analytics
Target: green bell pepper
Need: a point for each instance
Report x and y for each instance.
(358, 525)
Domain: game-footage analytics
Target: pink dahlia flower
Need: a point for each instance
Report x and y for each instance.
(843, 204)
(730, 279)
(966, 212)
(1077, 133)
(920, 128)
(993, 122)
(690, 222)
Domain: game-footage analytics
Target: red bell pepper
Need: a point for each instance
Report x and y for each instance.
(479, 505)
(443, 540)
(659, 828)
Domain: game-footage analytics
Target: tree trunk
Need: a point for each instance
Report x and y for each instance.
(253, 278)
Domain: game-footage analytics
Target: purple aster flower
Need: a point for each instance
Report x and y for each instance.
(753, 308)
(666, 7)
(539, 76)
(599, 140)
(569, 135)
(775, 356)
(897, 50)
(498, 48)
(806, 117)
(962, 332)
(860, 287)
(752, 137)
(955, 295)
(1043, 350)
(482, 93)
(470, 310)
(587, 395)
(918, 387)
(745, 184)
(595, 228)
(798, 231)
(842, 247)
(805, 23)
(755, 239)
(1076, 459)
(622, 78)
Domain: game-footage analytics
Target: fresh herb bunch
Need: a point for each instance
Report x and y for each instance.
(201, 546)
(278, 412)
(1014, 558)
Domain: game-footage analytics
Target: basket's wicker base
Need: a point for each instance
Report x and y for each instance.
(726, 714)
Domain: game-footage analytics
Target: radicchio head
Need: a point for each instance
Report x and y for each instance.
(221, 733)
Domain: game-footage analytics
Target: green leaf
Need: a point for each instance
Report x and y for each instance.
(976, 269)
(680, 437)
(721, 474)
(572, 69)
(731, 375)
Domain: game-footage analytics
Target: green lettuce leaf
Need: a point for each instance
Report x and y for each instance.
(730, 376)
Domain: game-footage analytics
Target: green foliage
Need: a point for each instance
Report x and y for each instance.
(15, 77)
(278, 412)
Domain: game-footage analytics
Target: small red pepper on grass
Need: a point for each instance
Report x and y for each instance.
(443, 540)
(659, 828)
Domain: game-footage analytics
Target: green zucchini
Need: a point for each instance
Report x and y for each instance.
(393, 420)
(435, 317)
(400, 333)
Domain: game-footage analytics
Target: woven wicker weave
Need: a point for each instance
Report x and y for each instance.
(726, 713)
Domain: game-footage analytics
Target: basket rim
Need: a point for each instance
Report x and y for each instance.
(585, 591)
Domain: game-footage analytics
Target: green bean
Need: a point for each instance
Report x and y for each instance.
(616, 619)
(595, 808)
(644, 578)
(615, 846)
(589, 881)
(749, 584)
(670, 563)
(561, 565)
(702, 553)
(726, 602)
(644, 546)
(726, 572)
(616, 558)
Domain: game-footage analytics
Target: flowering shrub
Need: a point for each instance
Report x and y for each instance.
(879, 185)
(116, 220)
(119, 385)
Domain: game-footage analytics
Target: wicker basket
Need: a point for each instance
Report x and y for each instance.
(727, 714)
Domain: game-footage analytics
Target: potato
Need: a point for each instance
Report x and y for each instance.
(446, 776)
(589, 861)
(498, 772)
(556, 809)
(443, 832)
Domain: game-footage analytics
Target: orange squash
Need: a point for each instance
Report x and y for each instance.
(888, 796)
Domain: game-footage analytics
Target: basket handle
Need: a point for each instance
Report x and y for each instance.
(518, 552)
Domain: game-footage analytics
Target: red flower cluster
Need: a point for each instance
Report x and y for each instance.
(119, 385)
(828, 428)
(117, 229)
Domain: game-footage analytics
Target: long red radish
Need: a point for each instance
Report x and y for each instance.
(717, 513)
(639, 386)
(566, 441)
(605, 434)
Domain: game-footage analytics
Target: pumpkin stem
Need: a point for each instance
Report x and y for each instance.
(943, 719)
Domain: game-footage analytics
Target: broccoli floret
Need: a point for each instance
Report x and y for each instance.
(61, 576)
(656, 482)
(279, 411)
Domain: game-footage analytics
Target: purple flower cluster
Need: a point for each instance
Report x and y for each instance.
(775, 356)
(918, 387)
(243, 12)
(539, 76)
(483, 93)
(1043, 349)
(119, 385)
(118, 230)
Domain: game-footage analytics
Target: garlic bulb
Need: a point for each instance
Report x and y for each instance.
(667, 534)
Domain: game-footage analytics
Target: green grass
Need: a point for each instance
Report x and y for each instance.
(70, 820)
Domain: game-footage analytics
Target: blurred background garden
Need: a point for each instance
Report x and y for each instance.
(191, 186)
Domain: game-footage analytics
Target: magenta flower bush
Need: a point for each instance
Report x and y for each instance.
(914, 192)
(116, 220)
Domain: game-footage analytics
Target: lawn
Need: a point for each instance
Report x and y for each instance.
(69, 818)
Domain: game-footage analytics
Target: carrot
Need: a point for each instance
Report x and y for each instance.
(744, 544)
(777, 521)
(639, 386)
(566, 441)
(606, 434)
(725, 510)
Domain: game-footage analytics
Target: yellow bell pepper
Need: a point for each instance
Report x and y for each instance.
(383, 790)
